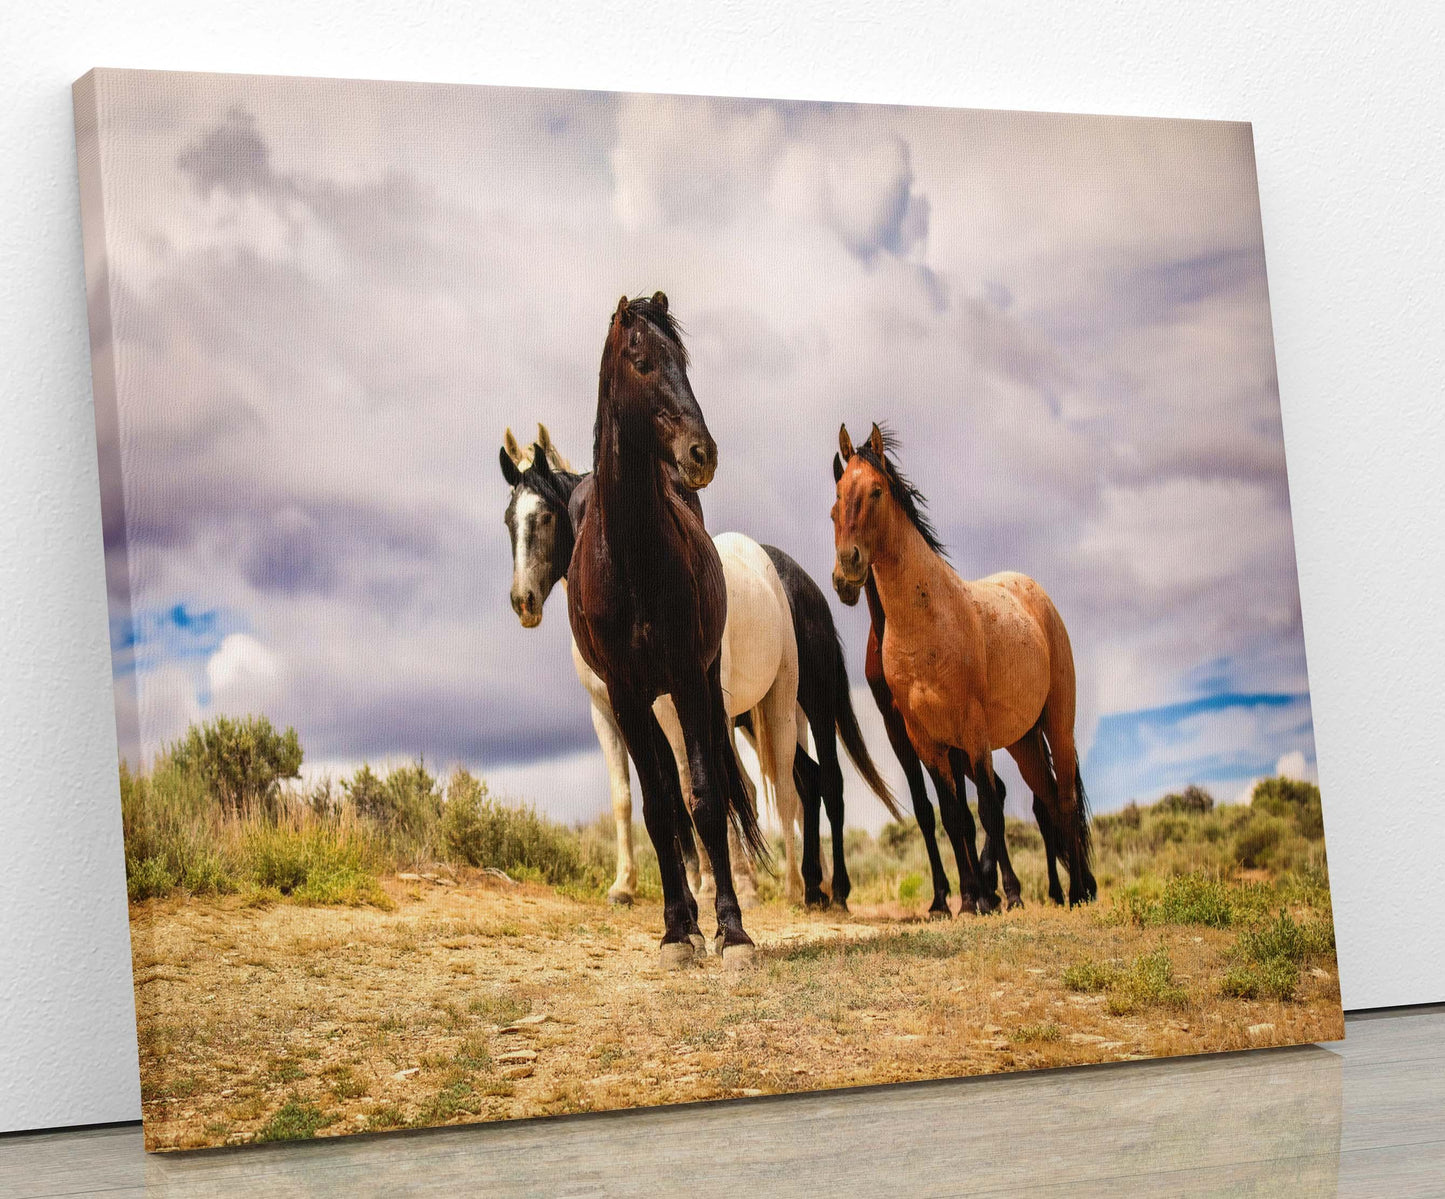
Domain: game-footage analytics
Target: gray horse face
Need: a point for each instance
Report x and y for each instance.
(534, 528)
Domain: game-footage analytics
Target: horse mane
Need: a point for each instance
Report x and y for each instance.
(664, 321)
(909, 498)
(554, 486)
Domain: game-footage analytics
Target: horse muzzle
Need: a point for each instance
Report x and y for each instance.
(696, 462)
(528, 608)
(848, 591)
(849, 573)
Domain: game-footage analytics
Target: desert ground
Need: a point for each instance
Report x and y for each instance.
(466, 997)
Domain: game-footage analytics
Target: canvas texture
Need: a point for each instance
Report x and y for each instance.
(626, 599)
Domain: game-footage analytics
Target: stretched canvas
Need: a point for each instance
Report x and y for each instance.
(924, 467)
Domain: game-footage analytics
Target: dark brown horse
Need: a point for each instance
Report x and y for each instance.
(648, 603)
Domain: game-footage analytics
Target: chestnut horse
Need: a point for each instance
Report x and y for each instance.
(971, 667)
(648, 604)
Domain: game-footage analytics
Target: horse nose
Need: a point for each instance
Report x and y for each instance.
(523, 602)
(701, 452)
(854, 557)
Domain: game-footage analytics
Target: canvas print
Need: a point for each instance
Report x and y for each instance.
(632, 599)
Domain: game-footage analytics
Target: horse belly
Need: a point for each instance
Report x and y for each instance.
(758, 619)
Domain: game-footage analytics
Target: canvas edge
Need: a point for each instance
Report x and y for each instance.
(86, 98)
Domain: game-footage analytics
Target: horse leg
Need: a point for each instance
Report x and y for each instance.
(831, 785)
(777, 741)
(660, 811)
(928, 829)
(694, 857)
(705, 725)
(807, 781)
(1031, 758)
(745, 875)
(1046, 830)
(828, 782)
(686, 845)
(958, 821)
(614, 752)
(913, 772)
(990, 815)
(1072, 816)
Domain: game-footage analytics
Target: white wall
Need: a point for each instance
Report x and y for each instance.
(1347, 113)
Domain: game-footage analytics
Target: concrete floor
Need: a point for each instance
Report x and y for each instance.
(1364, 1117)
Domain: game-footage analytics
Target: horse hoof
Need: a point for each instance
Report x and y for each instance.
(619, 899)
(738, 957)
(675, 955)
(839, 905)
(816, 903)
(1014, 902)
(698, 943)
(985, 906)
(935, 914)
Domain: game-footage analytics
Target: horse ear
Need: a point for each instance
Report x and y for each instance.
(511, 448)
(539, 461)
(837, 469)
(554, 455)
(845, 443)
(624, 317)
(660, 299)
(875, 442)
(509, 469)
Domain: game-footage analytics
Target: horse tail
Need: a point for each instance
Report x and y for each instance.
(1084, 826)
(763, 745)
(742, 814)
(852, 736)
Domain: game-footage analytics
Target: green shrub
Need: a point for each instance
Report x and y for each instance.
(241, 762)
(1146, 981)
(1150, 980)
(1256, 845)
(1090, 976)
(1269, 957)
(896, 837)
(1289, 939)
(295, 1121)
(479, 831)
(1188, 899)
(406, 804)
(1293, 800)
(1192, 800)
(1032, 1033)
(1275, 978)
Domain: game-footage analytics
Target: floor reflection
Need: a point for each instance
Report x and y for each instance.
(1365, 1117)
(1258, 1123)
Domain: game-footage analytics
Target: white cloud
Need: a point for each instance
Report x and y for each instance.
(325, 320)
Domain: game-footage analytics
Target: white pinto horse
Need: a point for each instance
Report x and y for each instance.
(759, 660)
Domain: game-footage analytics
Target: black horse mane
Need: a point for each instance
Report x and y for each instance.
(663, 320)
(554, 486)
(909, 498)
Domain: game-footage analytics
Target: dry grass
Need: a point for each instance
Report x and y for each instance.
(282, 1021)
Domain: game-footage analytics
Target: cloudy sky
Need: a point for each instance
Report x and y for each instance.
(316, 305)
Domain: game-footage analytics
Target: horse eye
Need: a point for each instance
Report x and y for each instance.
(636, 339)
(546, 518)
(877, 492)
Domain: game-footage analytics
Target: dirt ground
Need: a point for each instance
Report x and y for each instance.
(495, 1001)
